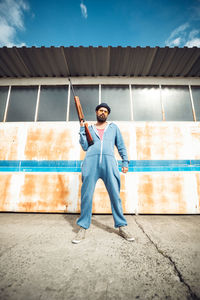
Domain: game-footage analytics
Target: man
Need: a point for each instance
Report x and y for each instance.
(101, 163)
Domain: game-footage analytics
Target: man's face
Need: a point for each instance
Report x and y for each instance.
(102, 114)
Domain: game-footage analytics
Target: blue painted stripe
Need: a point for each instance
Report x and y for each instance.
(75, 165)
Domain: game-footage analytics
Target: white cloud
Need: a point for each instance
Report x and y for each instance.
(182, 36)
(7, 34)
(193, 43)
(11, 21)
(194, 39)
(193, 33)
(84, 10)
(177, 35)
(176, 42)
(179, 30)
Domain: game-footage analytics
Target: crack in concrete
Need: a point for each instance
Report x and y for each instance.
(178, 273)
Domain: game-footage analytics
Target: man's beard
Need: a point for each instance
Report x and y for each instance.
(102, 118)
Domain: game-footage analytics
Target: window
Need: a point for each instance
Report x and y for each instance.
(22, 103)
(53, 103)
(118, 98)
(3, 98)
(146, 103)
(177, 103)
(196, 99)
(149, 102)
(89, 99)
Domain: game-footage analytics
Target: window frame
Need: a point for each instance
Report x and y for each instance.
(39, 82)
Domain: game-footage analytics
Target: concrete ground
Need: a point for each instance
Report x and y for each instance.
(38, 260)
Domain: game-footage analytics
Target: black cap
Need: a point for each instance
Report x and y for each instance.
(103, 105)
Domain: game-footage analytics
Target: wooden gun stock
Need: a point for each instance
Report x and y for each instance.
(88, 135)
(81, 118)
(79, 108)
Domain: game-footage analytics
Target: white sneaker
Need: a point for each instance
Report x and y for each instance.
(123, 231)
(80, 236)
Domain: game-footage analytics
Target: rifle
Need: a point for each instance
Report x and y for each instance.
(81, 116)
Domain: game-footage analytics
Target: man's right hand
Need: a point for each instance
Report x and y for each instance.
(82, 123)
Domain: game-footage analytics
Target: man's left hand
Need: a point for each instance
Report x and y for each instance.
(124, 170)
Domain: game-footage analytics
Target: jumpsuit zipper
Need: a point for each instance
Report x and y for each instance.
(101, 151)
(102, 144)
(100, 159)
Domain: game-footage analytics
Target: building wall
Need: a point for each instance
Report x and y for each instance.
(41, 163)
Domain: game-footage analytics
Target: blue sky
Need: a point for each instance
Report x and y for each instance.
(100, 23)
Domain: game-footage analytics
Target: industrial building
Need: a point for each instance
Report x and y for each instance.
(154, 95)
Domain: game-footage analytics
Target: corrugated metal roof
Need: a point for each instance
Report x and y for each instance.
(99, 61)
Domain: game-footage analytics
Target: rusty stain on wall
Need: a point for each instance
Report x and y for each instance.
(5, 197)
(157, 193)
(195, 133)
(82, 154)
(8, 143)
(198, 190)
(164, 192)
(44, 192)
(164, 141)
(143, 142)
(160, 136)
(48, 144)
(161, 193)
(101, 200)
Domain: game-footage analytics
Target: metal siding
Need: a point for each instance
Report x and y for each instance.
(194, 71)
(58, 62)
(147, 188)
(156, 192)
(150, 56)
(165, 62)
(99, 61)
(60, 140)
(28, 55)
(185, 59)
(177, 61)
(137, 59)
(7, 65)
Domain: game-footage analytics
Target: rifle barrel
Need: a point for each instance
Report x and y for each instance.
(71, 87)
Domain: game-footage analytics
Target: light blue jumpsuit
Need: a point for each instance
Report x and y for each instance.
(100, 162)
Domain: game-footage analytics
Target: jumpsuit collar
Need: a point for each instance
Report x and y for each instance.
(95, 129)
